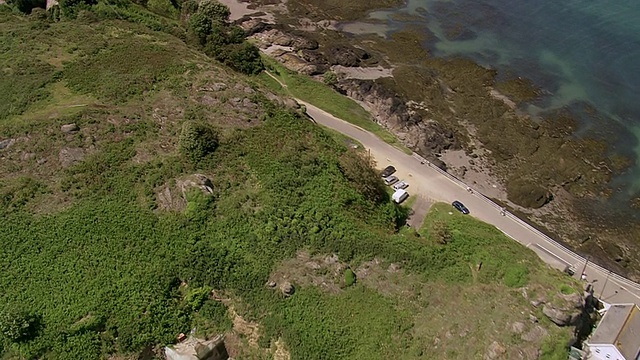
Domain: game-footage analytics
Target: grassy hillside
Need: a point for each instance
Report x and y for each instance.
(111, 240)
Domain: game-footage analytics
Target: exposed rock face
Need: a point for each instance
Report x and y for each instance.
(271, 36)
(425, 136)
(4, 144)
(535, 334)
(528, 194)
(518, 327)
(287, 289)
(198, 181)
(69, 156)
(69, 128)
(175, 198)
(346, 55)
(560, 317)
(495, 351)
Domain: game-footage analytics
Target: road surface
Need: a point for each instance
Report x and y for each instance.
(427, 181)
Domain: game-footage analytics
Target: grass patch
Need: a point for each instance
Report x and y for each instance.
(566, 289)
(318, 94)
(357, 324)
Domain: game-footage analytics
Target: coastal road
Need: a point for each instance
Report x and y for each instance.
(431, 183)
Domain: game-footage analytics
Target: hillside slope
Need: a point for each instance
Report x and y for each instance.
(137, 175)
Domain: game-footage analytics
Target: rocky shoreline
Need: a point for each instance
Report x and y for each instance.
(455, 113)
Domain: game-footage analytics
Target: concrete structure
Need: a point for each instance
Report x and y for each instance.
(197, 349)
(617, 336)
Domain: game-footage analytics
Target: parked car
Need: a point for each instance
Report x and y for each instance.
(390, 180)
(399, 196)
(388, 171)
(460, 207)
(400, 185)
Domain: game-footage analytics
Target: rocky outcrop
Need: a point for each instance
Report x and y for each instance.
(69, 128)
(559, 316)
(495, 351)
(346, 55)
(175, 197)
(69, 156)
(425, 136)
(287, 289)
(195, 181)
(270, 36)
(6, 143)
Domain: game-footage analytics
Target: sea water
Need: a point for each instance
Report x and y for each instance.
(578, 51)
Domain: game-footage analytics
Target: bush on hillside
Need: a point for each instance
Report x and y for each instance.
(362, 177)
(349, 277)
(214, 10)
(18, 326)
(26, 6)
(197, 140)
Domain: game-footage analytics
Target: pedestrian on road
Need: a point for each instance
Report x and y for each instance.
(583, 277)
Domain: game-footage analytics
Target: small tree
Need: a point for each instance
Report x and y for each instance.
(330, 78)
(349, 277)
(197, 140)
(214, 10)
(200, 25)
(359, 171)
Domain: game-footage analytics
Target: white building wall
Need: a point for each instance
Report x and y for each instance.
(604, 352)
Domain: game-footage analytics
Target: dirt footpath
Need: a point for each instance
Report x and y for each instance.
(420, 208)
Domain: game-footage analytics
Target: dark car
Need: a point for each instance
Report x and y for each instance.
(388, 171)
(460, 206)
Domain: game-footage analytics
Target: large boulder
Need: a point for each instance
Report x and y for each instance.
(69, 128)
(4, 144)
(495, 351)
(346, 55)
(287, 288)
(560, 317)
(527, 194)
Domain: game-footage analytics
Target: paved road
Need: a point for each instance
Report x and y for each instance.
(427, 181)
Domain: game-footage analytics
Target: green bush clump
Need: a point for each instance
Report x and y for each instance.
(349, 277)
(197, 141)
(18, 326)
(209, 26)
(195, 298)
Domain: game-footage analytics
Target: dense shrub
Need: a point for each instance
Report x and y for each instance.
(220, 40)
(26, 6)
(214, 10)
(349, 277)
(17, 326)
(197, 140)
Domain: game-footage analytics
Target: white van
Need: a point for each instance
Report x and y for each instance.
(399, 196)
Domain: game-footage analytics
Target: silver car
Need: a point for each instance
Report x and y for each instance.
(400, 185)
(390, 180)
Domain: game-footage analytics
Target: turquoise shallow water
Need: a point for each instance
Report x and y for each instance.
(579, 51)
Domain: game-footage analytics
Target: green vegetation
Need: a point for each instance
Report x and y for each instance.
(316, 93)
(197, 140)
(222, 41)
(105, 253)
(349, 277)
(566, 289)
